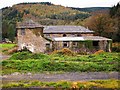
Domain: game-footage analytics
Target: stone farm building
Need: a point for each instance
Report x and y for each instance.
(38, 38)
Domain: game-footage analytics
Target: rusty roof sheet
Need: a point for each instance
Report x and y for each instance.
(28, 24)
(65, 29)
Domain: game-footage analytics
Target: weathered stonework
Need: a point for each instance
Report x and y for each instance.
(35, 38)
(35, 43)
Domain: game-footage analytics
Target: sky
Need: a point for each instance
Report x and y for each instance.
(68, 3)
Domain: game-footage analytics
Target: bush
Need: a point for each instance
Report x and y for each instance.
(21, 55)
(110, 84)
(39, 56)
(28, 55)
(13, 50)
(64, 51)
(99, 52)
(116, 49)
(53, 63)
(9, 48)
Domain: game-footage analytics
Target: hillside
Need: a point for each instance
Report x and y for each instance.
(47, 13)
(44, 13)
(92, 9)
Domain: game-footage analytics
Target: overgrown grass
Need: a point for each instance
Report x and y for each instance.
(86, 85)
(6, 45)
(24, 55)
(116, 47)
(28, 62)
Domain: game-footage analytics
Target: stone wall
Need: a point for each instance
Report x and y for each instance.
(32, 40)
(87, 34)
(67, 35)
(81, 46)
(104, 45)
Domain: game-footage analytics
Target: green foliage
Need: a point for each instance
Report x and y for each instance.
(68, 16)
(27, 55)
(92, 9)
(116, 47)
(4, 46)
(65, 85)
(10, 17)
(64, 51)
(115, 11)
(115, 15)
(21, 55)
(61, 63)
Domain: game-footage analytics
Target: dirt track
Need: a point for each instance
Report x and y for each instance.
(3, 57)
(73, 76)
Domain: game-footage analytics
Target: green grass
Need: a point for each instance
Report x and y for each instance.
(4, 46)
(28, 62)
(111, 84)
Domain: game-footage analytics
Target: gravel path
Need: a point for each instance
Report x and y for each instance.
(71, 76)
(3, 57)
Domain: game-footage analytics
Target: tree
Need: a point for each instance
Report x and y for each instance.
(11, 32)
(115, 15)
(102, 24)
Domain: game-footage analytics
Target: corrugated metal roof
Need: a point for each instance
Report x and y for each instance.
(54, 29)
(28, 24)
(66, 29)
(83, 38)
(95, 38)
(68, 38)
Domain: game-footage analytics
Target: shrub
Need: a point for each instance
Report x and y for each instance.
(39, 56)
(82, 53)
(21, 55)
(99, 52)
(13, 50)
(64, 51)
(53, 63)
(9, 48)
(110, 84)
(116, 47)
(28, 55)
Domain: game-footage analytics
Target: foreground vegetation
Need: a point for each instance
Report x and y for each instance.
(83, 85)
(7, 47)
(28, 62)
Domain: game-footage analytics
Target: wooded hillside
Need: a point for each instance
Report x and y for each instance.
(104, 24)
(45, 13)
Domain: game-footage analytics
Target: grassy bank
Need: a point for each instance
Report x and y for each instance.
(6, 48)
(6, 45)
(28, 62)
(83, 85)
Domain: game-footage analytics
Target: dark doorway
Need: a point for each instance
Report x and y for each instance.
(64, 35)
(65, 44)
(95, 43)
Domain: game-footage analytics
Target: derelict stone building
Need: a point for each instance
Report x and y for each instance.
(38, 38)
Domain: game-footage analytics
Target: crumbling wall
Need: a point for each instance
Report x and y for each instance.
(35, 43)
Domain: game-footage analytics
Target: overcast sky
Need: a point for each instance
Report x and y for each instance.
(69, 3)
